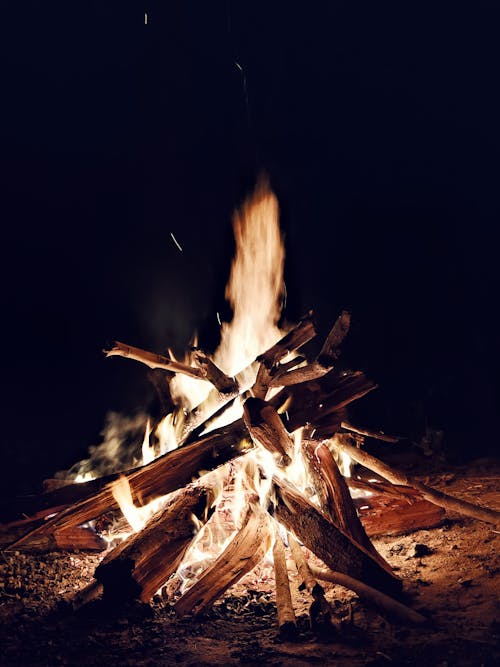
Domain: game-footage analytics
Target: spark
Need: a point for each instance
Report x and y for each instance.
(238, 65)
(175, 241)
(287, 417)
(285, 294)
(218, 319)
(145, 18)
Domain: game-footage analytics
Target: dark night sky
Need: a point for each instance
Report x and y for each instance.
(378, 124)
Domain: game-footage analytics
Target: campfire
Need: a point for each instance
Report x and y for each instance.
(252, 460)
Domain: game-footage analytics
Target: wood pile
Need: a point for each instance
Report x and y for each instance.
(287, 394)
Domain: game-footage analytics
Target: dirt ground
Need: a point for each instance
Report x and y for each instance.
(454, 580)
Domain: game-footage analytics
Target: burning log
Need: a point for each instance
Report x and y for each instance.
(323, 538)
(153, 360)
(336, 500)
(386, 605)
(286, 615)
(433, 495)
(163, 475)
(320, 611)
(242, 554)
(265, 427)
(138, 567)
(320, 402)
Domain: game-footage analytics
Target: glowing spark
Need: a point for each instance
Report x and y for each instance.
(218, 319)
(287, 417)
(175, 241)
(238, 65)
(145, 18)
(285, 294)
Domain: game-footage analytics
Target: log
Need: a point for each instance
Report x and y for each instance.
(321, 402)
(245, 379)
(246, 549)
(384, 514)
(378, 435)
(165, 474)
(160, 379)
(153, 360)
(320, 612)
(221, 381)
(384, 604)
(433, 495)
(323, 538)
(323, 362)
(140, 565)
(286, 615)
(266, 427)
(335, 496)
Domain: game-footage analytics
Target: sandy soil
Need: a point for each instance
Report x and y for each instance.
(454, 580)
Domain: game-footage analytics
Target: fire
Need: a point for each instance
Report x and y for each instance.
(255, 291)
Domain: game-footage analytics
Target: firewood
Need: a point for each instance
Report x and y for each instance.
(163, 475)
(266, 427)
(320, 612)
(336, 499)
(378, 435)
(154, 360)
(323, 538)
(87, 594)
(302, 333)
(286, 615)
(246, 549)
(213, 373)
(320, 402)
(160, 379)
(138, 567)
(385, 514)
(386, 605)
(433, 495)
(324, 361)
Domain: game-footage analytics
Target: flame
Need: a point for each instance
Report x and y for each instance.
(255, 292)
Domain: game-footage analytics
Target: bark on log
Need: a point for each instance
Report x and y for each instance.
(221, 381)
(335, 496)
(323, 362)
(336, 549)
(286, 615)
(386, 605)
(163, 475)
(153, 360)
(242, 554)
(433, 495)
(140, 565)
(266, 427)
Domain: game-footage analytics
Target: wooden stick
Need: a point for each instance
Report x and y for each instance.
(163, 475)
(378, 435)
(385, 604)
(265, 427)
(331, 347)
(433, 495)
(153, 360)
(338, 501)
(213, 373)
(286, 615)
(323, 362)
(323, 538)
(139, 566)
(320, 611)
(244, 551)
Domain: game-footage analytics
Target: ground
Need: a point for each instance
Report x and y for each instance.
(454, 579)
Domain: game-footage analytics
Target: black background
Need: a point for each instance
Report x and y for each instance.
(378, 126)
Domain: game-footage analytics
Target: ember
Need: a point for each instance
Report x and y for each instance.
(250, 460)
